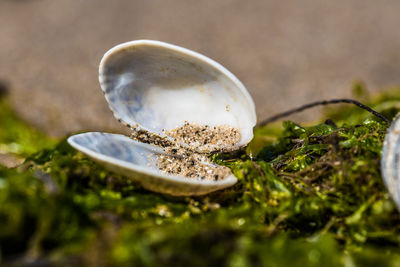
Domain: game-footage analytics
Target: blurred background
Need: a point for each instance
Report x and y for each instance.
(287, 53)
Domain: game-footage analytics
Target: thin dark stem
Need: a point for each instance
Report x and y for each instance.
(322, 103)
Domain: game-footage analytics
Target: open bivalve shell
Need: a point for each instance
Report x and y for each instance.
(158, 87)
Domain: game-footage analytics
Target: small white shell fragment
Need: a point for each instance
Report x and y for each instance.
(159, 86)
(390, 162)
(138, 161)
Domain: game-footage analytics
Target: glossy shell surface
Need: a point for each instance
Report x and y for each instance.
(137, 161)
(156, 86)
(159, 86)
(390, 162)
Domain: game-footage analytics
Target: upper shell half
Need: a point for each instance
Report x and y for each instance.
(158, 86)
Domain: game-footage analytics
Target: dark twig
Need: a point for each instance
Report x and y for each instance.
(322, 103)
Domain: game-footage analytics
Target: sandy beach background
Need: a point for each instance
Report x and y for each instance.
(287, 53)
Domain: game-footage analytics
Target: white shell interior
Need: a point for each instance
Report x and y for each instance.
(390, 162)
(160, 86)
(138, 161)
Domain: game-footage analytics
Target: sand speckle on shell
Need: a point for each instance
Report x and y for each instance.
(188, 149)
(204, 138)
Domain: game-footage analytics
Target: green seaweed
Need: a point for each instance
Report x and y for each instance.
(306, 196)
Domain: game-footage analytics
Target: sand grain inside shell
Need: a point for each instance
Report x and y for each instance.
(192, 160)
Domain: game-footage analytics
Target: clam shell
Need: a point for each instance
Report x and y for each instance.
(156, 86)
(390, 162)
(137, 161)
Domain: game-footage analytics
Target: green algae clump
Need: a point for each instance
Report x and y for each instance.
(306, 196)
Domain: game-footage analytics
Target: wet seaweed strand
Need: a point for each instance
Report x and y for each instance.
(322, 103)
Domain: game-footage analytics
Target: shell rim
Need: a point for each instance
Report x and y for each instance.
(228, 181)
(385, 155)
